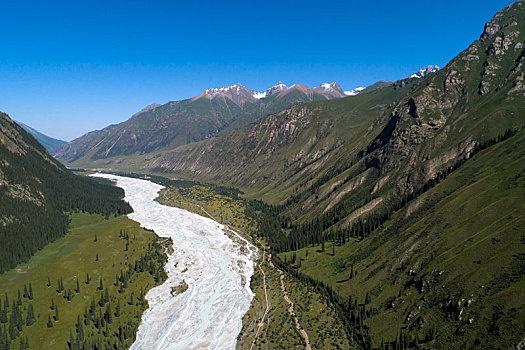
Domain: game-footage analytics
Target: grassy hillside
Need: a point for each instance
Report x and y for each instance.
(449, 263)
(92, 248)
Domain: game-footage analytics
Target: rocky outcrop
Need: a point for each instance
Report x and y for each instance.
(428, 130)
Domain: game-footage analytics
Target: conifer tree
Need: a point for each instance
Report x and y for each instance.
(30, 319)
(80, 329)
(24, 343)
(109, 315)
(78, 287)
(117, 309)
(88, 280)
(3, 314)
(30, 291)
(49, 322)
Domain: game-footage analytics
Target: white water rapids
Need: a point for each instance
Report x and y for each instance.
(216, 269)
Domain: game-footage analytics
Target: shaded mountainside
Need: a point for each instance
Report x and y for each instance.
(181, 122)
(50, 144)
(36, 190)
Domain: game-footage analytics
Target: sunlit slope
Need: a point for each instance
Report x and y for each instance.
(449, 263)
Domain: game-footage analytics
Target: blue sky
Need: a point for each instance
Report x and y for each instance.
(70, 67)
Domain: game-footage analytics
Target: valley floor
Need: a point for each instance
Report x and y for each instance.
(318, 318)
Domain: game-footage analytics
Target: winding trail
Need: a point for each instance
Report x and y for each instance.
(261, 324)
(291, 309)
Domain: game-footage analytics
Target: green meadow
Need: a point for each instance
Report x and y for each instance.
(85, 289)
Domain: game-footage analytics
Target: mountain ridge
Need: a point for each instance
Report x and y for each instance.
(180, 122)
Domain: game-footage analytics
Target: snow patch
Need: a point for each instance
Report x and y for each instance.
(227, 88)
(259, 95)
(355, 91)
(424, 71)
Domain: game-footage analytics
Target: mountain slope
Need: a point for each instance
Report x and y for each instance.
(292, 143)
(36, 190)
(49, 143)
(447, 268)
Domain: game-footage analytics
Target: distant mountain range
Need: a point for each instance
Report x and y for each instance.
(215, 111)
(51, 144)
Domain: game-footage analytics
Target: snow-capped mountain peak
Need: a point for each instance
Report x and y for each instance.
(424, 71)
(227, 88)
(274, 89)
(327, 86)
(330, 89)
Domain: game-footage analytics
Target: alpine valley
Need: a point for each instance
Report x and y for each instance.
(385, 217)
